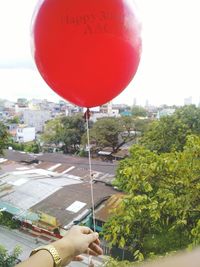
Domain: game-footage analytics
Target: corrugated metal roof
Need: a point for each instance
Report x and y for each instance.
(35, 190)
(19, 213)
(55, 205)
(9, 208)
(106, 210)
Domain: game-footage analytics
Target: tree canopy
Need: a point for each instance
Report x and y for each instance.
(4, 137)
(138, 111)
(161, 210)
(165, 135)
(115, 132)
(9, 260)
(170, 132)
(66, 131)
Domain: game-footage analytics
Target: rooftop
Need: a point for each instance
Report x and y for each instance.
(59, 185)
(29, 189)
(58, 204)
(46, 159)
(107, 208)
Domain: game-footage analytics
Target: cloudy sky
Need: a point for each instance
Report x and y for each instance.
(170, 66)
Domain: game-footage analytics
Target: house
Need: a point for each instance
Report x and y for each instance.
(36, 118)
(107, 209)
(25, 134)
(72, 204)
(107, 154)
(165, 112)
(57, 189)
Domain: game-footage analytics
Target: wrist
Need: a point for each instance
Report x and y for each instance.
(49, 253)
(65, 251)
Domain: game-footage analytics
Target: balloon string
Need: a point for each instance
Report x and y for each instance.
(87, 116)
(90, 169)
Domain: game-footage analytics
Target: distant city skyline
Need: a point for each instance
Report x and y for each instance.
(170, 63)
(186, 101)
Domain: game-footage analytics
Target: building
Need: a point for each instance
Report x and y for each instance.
(36, 118)
(25, 134)
(72, 203)
(107, 209)
(49, 195)
(165, 112)
(22, 102)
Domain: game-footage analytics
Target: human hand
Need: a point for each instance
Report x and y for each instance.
(78, 240)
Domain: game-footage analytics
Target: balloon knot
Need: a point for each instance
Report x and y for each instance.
(87, 115)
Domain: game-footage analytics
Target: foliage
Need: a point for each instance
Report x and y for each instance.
(4, 137)
(190, 116)
(114, 132)
(104, 133)
(16, 146)
(141, 125)
(170, 132)
(9, 260)
(14, 120)
(6, 220)
(110, 262)
(31, 147)
(196, 235)
(161, 210)
(138, 111)
(67, 131)
(74, 128)
(52, 132)
(165, 135)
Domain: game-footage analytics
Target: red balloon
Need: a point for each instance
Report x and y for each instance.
(87, 51)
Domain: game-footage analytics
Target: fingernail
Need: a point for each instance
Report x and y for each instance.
(96, 234)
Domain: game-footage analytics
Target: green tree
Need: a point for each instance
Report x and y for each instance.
(15, 119)
(165, 135)
(104, 133)
(161, 209)
(67, 131)
(52, 132)
(138, 111)
(74, 128)
(15, 145)
(4, 137)
(32, 147)
(170, 132)
(9, 260)
(110, 262)
(113, 132)
(190, 116)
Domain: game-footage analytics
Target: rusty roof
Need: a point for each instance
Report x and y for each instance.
(121, 153)
(107, 208)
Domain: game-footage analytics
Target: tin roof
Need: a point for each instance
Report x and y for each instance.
(18, 213)
(58, 203)
(107, 208)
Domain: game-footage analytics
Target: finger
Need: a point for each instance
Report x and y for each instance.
(96, 248)
(86, 230)
(78, 258)
(92, 237)
(91, 252)
(97, 241)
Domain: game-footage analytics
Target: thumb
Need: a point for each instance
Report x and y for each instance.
(92, 237)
